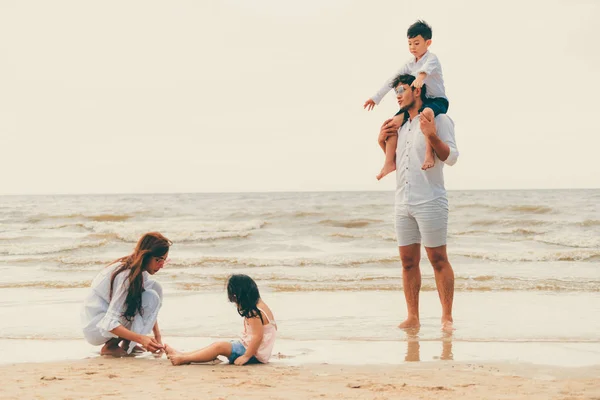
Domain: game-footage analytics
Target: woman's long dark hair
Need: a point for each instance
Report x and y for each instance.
(152, 244)
(242, 290)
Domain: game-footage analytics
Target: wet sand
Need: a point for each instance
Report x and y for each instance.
(149, 378)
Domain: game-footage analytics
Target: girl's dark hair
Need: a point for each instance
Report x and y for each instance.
(242, 290)
(152, 244)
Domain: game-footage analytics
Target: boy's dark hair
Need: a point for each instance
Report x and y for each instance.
(419, 28)
(408, 79)
(242, 290)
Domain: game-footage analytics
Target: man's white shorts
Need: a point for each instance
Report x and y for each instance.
(425, 223)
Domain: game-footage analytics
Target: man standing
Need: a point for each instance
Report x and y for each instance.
(421, 204)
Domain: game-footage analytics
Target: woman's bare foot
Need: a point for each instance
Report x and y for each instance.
(136, 349)
(111, 348)
(387, 168)
(410, 323)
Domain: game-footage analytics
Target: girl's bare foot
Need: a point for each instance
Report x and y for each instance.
(387, 168)
(176, 357)
(169, 350)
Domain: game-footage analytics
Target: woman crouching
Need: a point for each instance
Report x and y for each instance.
(122, 308)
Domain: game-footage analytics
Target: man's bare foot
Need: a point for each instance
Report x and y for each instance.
(111, 348)
(410, 323)
(387, 168)
(448, 326)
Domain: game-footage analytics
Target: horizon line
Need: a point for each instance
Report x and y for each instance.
(275, 192)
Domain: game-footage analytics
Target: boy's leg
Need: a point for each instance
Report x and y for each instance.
(432, 108)
(209, 353)
(429, 155)
(390, 149)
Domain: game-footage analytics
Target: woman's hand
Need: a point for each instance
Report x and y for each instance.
(150, 344)
(158, 339)
(241, 360)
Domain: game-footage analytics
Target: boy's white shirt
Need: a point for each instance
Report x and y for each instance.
(429, 64)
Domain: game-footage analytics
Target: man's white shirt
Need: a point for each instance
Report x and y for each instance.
(413, 185)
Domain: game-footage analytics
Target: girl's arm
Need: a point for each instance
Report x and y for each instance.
(257, 336)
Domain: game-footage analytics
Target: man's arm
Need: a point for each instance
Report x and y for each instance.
(389, 128)
(440, 134)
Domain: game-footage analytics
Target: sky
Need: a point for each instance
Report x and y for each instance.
(266, 95)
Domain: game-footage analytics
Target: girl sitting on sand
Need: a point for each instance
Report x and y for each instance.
(257, 339)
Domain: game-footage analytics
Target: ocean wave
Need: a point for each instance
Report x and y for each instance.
(519, 208)
(78, 216)
(518, 223)
(294, 262)
(46, 285)
(391, 237)
(574, 255)
(506, 232)
(529, 209)
(58, 262)
(354, 223)
(306, 214)
(589, 223)
(483, 283)
(42, 249)
(385, 283)
(187, 232)
(575, 241)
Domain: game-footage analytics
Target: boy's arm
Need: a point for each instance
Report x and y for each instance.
(378, 96)
(257, 336)
(432, 63)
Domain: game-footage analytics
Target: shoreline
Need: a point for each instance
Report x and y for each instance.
(130, 378)
(561, 354)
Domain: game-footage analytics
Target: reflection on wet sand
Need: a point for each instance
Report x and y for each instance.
(413, 346)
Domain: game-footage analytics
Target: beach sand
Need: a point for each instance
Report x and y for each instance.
(147, 378)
